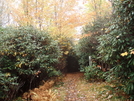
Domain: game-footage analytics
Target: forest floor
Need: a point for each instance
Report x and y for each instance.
(72, 87)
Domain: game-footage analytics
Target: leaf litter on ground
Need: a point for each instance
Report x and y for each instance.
(72, 87)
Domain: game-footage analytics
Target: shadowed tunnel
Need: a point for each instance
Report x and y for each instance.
(72, 64)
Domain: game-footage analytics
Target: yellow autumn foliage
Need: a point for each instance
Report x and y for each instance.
(124, 54)
(19, 65)
(43, 93)
(8, 74)
(15, 53)
(66, 52)
(132, 51)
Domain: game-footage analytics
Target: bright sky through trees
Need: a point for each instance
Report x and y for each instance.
(66, 17)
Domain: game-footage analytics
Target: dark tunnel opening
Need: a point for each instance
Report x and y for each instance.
(72, 64)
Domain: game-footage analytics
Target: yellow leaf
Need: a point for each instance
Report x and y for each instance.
(19, 38)
(124, 54)
(24, 55)
(8, 74)
(20, 65)
(2, 53)
(15, 53)
(132, 51)
(66, 52)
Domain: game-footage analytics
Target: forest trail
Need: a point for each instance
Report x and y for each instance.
(75, 88)
(72, 87)
(71, 82)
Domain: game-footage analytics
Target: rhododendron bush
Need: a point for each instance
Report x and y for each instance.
(29, 55)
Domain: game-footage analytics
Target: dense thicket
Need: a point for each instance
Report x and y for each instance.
(114, 48)
(117, 47)
(27, 56)
(88, 45)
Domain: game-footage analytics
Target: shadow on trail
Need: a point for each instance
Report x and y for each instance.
(72, 64)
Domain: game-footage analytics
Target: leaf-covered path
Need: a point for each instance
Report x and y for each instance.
(72, 87)
(75, 88)
(72, 92)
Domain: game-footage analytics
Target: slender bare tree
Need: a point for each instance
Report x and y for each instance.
(4, 13)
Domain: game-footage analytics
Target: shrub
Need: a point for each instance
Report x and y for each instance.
(93, 73)
(8, 84)
(29, 54)
(85, 48)
(117, 47)
(65, 46)
(87, 45)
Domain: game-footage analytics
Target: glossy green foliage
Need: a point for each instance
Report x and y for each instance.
(28, 54)
(93, 73)
(85, 48)
(117, 47)
(98, 26)
(7, 85)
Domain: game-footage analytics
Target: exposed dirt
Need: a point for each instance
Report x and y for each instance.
(75, 88)
(72, 92)
(72, 87)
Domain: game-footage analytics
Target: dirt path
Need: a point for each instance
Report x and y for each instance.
(75, 88)
(72, 92)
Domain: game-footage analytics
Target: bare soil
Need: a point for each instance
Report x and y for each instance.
(74, 88)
